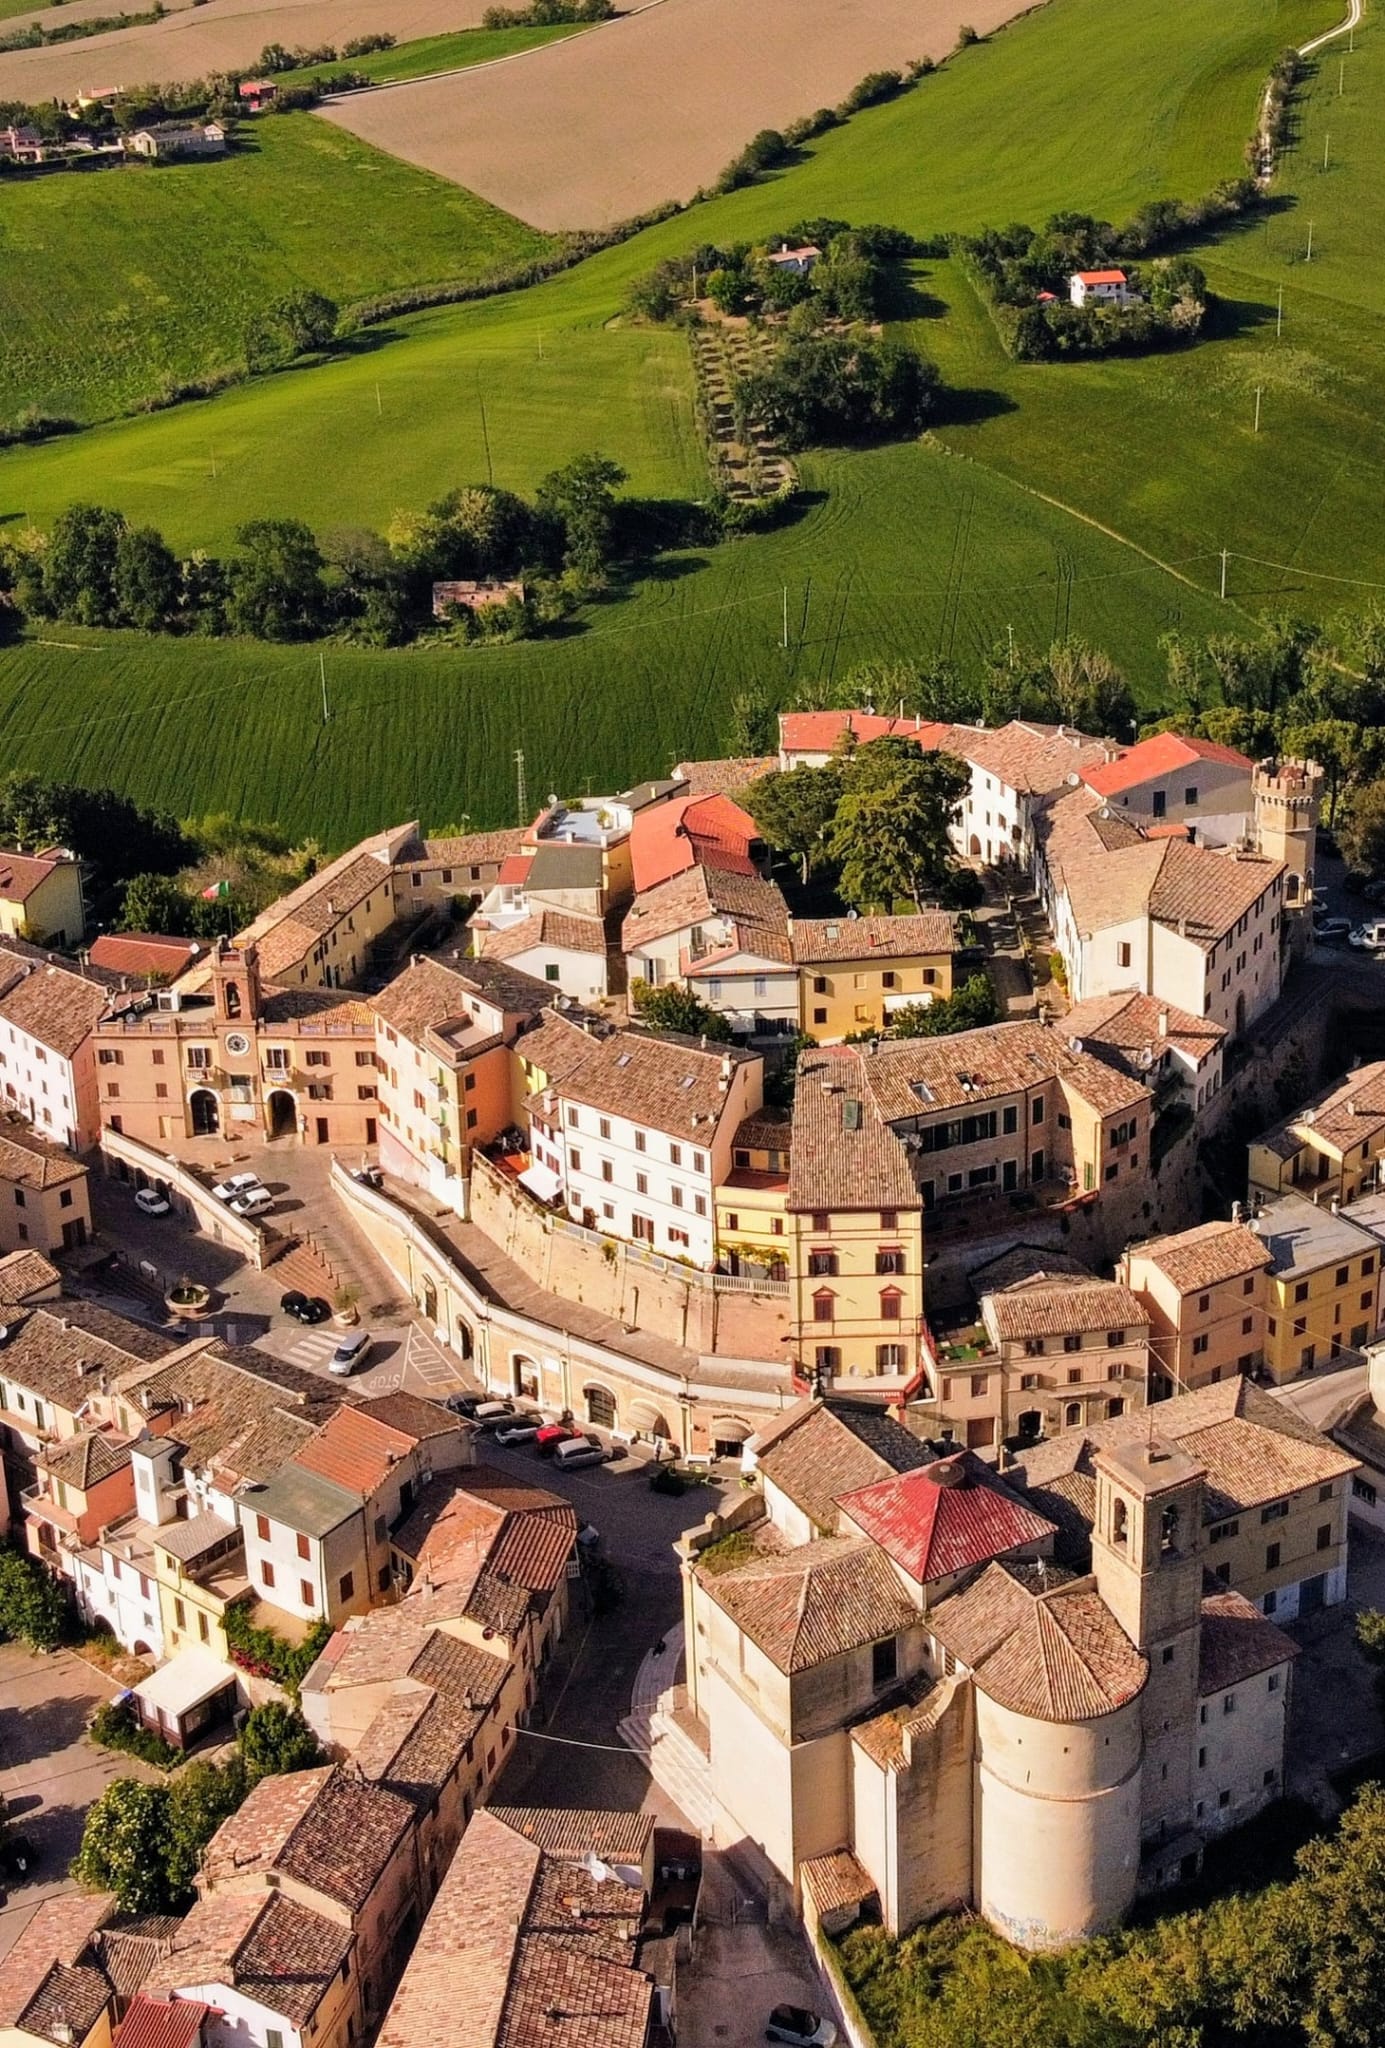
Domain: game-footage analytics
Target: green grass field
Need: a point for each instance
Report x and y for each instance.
(111, 280)
(456, 52)
(1093, 499)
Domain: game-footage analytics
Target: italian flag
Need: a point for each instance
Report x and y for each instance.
(217, 893)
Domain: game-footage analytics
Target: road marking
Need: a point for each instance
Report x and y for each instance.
(424, 1357)
(313, 1348)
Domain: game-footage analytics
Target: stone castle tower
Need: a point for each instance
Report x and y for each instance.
(1285, 796)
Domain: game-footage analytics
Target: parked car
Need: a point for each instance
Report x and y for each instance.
(800, 2028)
(465, 1405)
(519, 1429)
(1330, 931)
(547, 1439)
(253, 1202)
(351, 1354)
(1369, 938)
(1374, 892)
(582, 1450)
(152, 1202)
(305, 1308)
(368, 1176)
(491, 1415)
(238, 1184)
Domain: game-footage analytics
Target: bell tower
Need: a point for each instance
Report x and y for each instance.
(236, 984)
(1147, 1545)
(1286, 796)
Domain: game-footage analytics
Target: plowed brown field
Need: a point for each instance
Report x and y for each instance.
(652, 106)
(223, 35)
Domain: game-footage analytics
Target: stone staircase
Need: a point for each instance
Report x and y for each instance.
(304, 1267)
(676, 1763)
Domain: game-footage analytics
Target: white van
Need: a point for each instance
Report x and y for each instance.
(1369, 937)
(351, 1353)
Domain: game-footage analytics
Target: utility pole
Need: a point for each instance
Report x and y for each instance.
(379, 409)
(1341, 78)
(1279, 317)
(1010, 644)
(1309, 257)
(785, 641)
(519, 787)
(1258, 390)
(1326, 148)
(322, 677)
(1224, 557)
(485, 431)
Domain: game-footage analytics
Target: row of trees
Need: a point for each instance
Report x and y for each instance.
(144, 1842)
(116, 837)
(877, 816)
(283, 583)
(1299, 1964)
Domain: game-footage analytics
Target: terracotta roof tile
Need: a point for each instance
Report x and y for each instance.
(27, 1162)
(84, 1461)
(162, 2023)
(944, 1517)
(659, 1079)
(49, 1003)
(22, 873)
(1255, 1448)
(828, 1449)
(1204, 1256)
(558, 928)
(355, 1450)
(470, 849)
(1237, 1642)
(281, 1954)
(570, 1833)
(1060, 1304)
(911, 1079)
(725, 778)
(23, 1274)
(753, 911)
(688, 830)
(1127, 1027)
(1160, 754)
(1054, 1655)
(821, 940)
(843, 1155)
(806, 1606)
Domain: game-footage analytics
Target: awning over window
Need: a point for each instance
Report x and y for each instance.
(645, 1415)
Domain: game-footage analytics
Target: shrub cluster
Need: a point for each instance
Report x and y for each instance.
(264, 1653)
(1025, 272)
(1284, 81)
(825, 387)
(850, 280)
(33, 1607)
(114, 1726)
(37, 35)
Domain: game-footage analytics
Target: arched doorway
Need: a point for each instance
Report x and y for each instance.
(525, 1376)
(601, 1406)
(430, 1299)
(206, 1113)
(465, 1342)
(1240, 1013)
(283, 1114)
(974, 847)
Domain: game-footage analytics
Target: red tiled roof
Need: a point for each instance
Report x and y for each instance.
(21, 874)
(819, 732)
(1101, 276)
(161, 2023)
(515, 867)
(688, 832)
(142, 953)
(1160, 754)
(355, 1450)
(943, 1517)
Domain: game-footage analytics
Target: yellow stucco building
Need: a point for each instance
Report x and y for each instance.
(855, 971)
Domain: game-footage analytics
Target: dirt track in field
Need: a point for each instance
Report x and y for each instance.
(223, 35)
(651, 107)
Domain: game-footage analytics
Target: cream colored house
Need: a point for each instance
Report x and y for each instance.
(1205, 1292)
(48, 1014)
(891, 1708)
(44, 1204)
(1330, 1149)
(855, 972)
(727, 936)
(41, 898)
(1067, 1351)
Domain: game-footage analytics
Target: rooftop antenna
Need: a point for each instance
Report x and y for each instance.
(520, 797)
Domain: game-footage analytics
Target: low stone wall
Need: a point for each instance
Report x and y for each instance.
(127, 1159)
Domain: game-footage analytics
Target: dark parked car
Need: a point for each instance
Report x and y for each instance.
(18, 1855)
(305, 1308)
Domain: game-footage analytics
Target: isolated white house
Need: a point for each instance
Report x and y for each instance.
(1099, 288)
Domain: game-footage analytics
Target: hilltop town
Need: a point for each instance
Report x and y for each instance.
(513, 1238)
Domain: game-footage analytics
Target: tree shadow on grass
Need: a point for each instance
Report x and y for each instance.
(971, 405)
(1231, 319)
(904, 298)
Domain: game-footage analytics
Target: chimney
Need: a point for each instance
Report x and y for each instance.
(1237, 1212)
(1163, 1023)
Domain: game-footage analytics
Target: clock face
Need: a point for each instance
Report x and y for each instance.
(237, 1043)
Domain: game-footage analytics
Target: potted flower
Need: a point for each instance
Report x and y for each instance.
(344, 1302)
